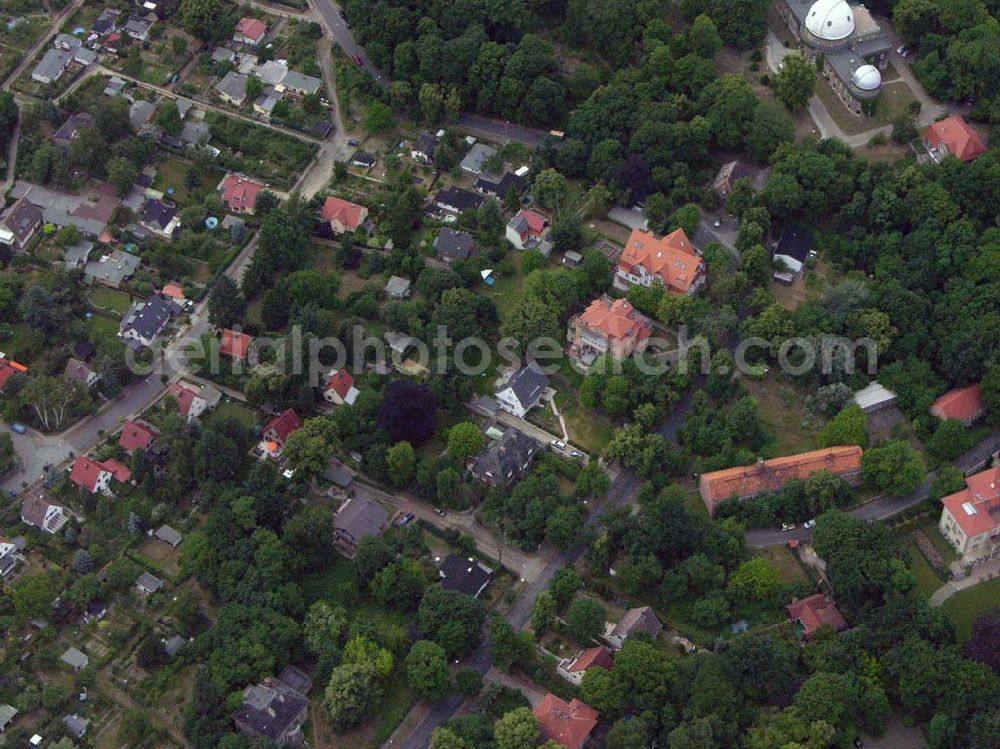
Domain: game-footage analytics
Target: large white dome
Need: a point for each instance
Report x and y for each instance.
(867, 78)
(831, 20)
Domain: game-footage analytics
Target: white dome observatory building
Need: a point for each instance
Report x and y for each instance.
(854, 48)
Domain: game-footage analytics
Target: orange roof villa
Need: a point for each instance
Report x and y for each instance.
(970, 518)
(765, 476)
(670, 262)
(608, 326)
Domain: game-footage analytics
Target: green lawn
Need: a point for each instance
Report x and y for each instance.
(923, 573)
(235, 410)
(109, 299)
(966, 605)
(171, 173)
(101, 327)
(508, 291)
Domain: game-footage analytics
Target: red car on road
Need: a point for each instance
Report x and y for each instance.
(357, 60)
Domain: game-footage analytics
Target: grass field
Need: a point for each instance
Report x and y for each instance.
(235, 410)
(171, 173)
(101, 326)
(109, 299)
(966, 605)
(785, 562)
(790, 428)
(923, 573)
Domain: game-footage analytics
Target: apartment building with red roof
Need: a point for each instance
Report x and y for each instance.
(970, 518)
(766, 476)
(953, 136)
(566, 723)
(671, 262)
(610, 327)
(963, 404)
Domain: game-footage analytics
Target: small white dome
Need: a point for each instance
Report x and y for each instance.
(867, 78)
(830, 20)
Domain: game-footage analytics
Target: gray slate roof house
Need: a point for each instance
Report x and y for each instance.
(147, 583)
(233, 88)
(301, 83)
(397, 287)
(107, 21)
(641, 619)
(363, 159)
(23, 220)
(146, 320)
(52, 66)
(423, 148)
(168, 535)
(451, 245)
(296, 679)
(140, 113)
(76, 725)
(77, 371)
(84, 56)
(223, 54)
(69, 131)
(272, 710)
(476, 157)
(111, 270)
(67, 42)
(522, 390)
(506, 459)
(491, 184)
(271, 72)
(457, 200)
(77, 254)
(138, 29)
(174, 645)
(159, 217)
(74, 659)
(358, 517)
(465, 575)
(115, 86)
(7, 714)
(195, 133)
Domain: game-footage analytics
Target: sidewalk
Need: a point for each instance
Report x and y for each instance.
(979, 574)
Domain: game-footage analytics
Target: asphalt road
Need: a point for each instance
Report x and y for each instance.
(341, 34)
(500, 130)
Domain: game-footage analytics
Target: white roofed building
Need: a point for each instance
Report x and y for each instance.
(854, 48)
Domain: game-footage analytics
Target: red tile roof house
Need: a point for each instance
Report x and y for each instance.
(970, 518)
(342, 215)
(239, 193)
(136, 436)
(953, 136)
(765, 476)
(815, 612)
(235, 345)
(40, 511)
(573, 670)
(249, 31)
(525, 227)
(962, 404)
(189, 404)
(611, 327)
(9, 368)
(339, 388)
(670, 262)
(94, 477)
(566, 723)
(276, 433)
(175, 291)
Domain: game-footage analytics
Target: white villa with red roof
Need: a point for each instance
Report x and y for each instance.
(525, 228)
(339, 388)
(276, 433)
(970, 517)
(189, 404)
(670, 262)
(572, 670)
(94, 476)
(611, 327)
